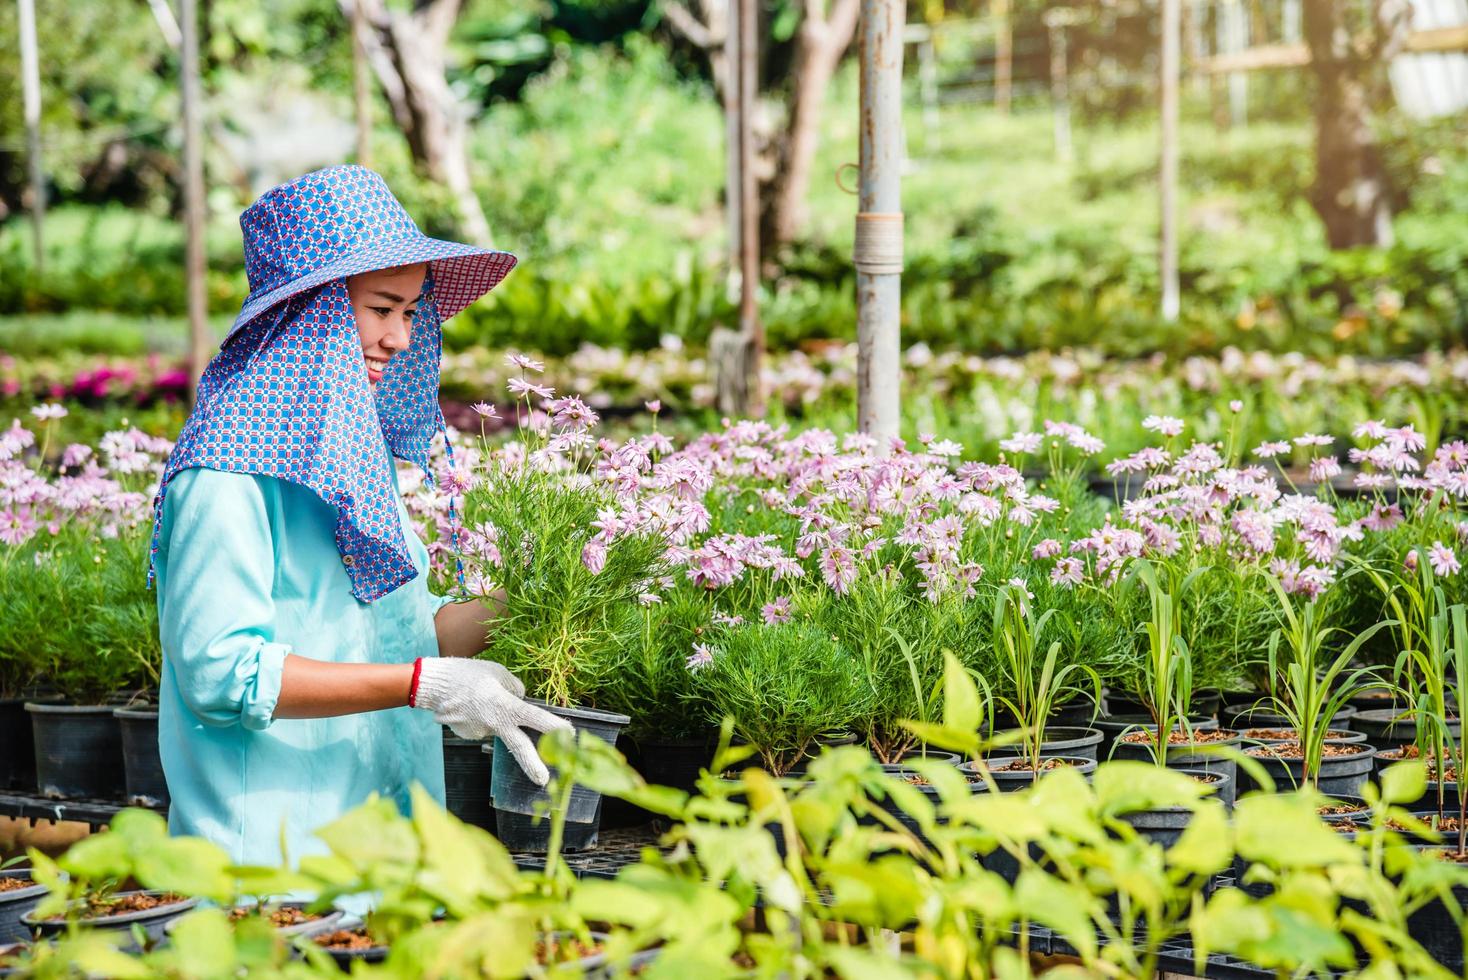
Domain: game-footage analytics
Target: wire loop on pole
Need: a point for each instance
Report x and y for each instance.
(878, 249)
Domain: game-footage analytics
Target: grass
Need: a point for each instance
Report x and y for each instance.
(99, 332)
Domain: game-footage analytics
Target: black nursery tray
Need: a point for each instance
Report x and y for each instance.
(615, 851)
(94, 813)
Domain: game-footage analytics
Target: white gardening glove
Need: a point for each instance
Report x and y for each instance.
(479, 699)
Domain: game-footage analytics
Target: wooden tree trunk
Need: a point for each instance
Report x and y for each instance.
(820, 43)
(1350, 193)
(1003, 57)
(789, 155)
(361, 85)
(407, 53)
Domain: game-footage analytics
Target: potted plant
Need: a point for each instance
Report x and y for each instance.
(566, 561)
(1427, 715)
(1031, 681)
(669, 739)
(131, 876)
(1163, 677)
(95, 637)
(19, 893)
(786, 687)
(1311, 688)
(78, 614)
(1443, 663)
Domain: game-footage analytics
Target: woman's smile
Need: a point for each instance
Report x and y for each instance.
(375, 368)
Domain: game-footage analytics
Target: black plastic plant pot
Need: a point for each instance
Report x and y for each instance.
(1261, 735)
(142, 767)
(9, 951)
(153, 921)
(1389, 728)
(1449, 791)
(798, 767)
(1207, 702)
(1114, 726)
(662, 763)
(584, 964)
(1165, 825)
(1435, 928)
(1426, 811)
(345, 957)
(901, 815)
(1241, 716)
(78, 751)
(1190, 757)
(18, 757)
(1078, 712)
(15, 903)
(901, 762)
(676, 764)
(1372, 699)
(1075, 743)
(1340, 775)
(1121, 703)
(467, 772)
(324, 922)
(821, 745)
(1022, 777)
(515, 797)
(1227, 699)
(1386, 758)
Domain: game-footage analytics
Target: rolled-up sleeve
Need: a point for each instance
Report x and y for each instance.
(216, 614)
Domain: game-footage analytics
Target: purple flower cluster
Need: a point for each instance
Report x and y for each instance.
(107, 487)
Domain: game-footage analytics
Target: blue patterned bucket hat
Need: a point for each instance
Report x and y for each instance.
(342, 221)
(288, 395)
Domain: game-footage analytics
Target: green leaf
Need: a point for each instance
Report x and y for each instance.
(1205, 846)
(187, 865)
(1127, 786)
(1065, 908)
(961, 740)
(460, 863)
(1404, 781)
(371, 834)
(202, 945)
(961, 708)
(1284, 831)
(862, 964)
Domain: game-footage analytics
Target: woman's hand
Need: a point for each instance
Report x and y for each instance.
(479, 699)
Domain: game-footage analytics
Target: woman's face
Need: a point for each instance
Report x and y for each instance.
(383, 304)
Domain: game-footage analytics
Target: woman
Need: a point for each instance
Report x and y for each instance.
(306, 665)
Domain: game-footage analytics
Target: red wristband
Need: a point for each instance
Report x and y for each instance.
(413, 687)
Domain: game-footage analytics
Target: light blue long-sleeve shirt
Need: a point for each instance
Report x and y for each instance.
(247, 572)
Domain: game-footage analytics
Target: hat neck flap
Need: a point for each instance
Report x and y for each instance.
(288, 397)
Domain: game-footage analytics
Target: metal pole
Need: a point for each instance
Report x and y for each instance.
(361, 84)
(30, 72)
(200, 341)
(733, 185)
(1171, 70)
(750, 327)
(1060, 91)
(878, 252)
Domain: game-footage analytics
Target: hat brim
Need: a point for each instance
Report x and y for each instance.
(461, 273)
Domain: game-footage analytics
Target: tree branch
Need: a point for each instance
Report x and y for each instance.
(694, 31)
